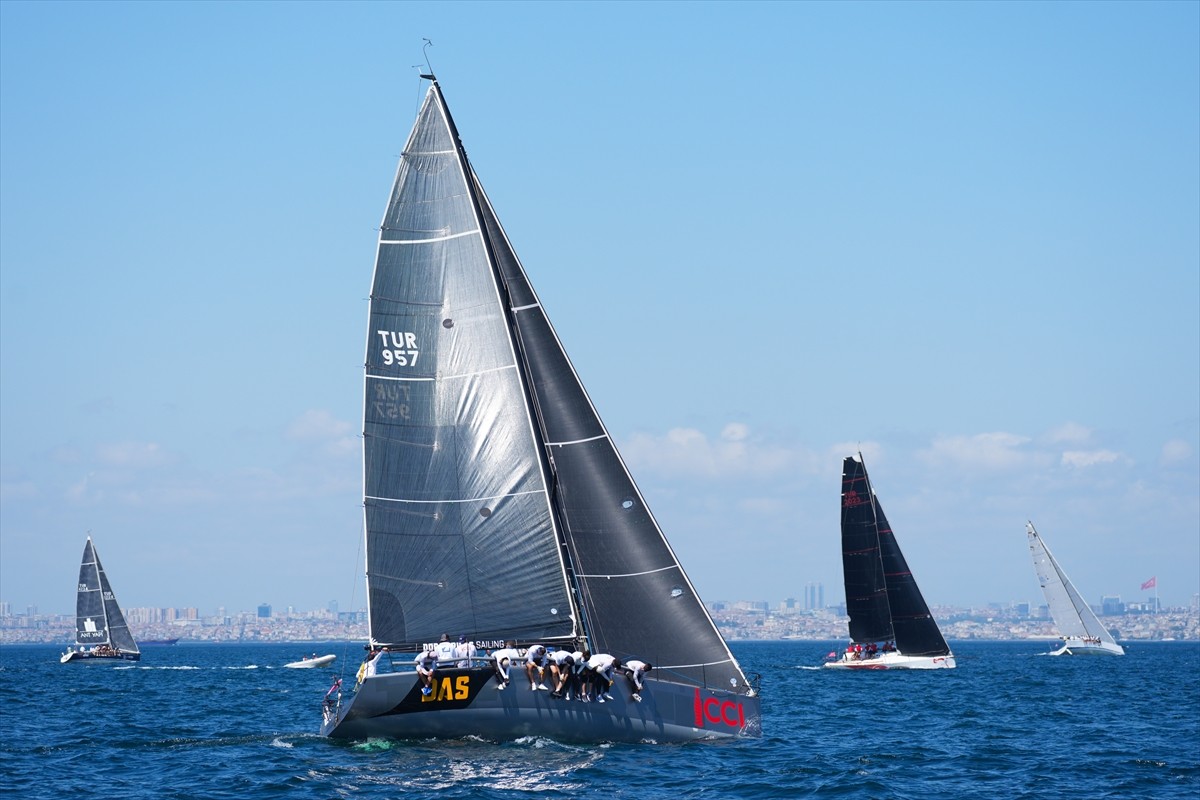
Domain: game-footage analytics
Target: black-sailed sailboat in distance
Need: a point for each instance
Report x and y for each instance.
(101, 634)
(890, 623)
(497, 507)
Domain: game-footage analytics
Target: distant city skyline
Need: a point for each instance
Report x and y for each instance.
(9, 608)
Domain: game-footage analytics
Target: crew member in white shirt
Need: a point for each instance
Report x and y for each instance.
(505, 657)
(602, 666)
(535, 661)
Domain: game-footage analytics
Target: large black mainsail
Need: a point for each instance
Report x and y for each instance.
(100, 627)
(882, 597)
(496, 504)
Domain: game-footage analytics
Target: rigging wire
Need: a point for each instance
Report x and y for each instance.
(341, 674)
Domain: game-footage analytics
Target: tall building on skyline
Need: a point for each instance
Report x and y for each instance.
(814, 596)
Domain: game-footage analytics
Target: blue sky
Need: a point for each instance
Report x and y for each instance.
(961, 237)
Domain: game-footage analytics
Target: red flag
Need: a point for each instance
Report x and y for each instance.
(1150, 584)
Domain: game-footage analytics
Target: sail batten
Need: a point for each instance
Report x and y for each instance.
(431, 240)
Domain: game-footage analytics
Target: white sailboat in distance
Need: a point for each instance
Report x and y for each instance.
(1082, 632)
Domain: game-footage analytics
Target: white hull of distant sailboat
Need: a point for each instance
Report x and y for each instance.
(311, 663)
(1074, 646)
(891, 661)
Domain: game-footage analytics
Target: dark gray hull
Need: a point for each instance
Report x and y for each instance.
(467, 703)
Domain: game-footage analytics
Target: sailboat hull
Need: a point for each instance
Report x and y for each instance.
(74, 656)
(893, 661)
(466, 702)
(311, 663)
(1078, 647)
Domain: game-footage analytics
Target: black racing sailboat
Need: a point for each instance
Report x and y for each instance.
(101, 634)
(497, 507)
(882, 598)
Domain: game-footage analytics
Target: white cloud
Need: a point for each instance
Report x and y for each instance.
(134, 455)
(317, 424)
(1175, 451)
(332, 435)
(81, 491)
(21, 489)
(1088, 458)
(735, 432)
(687, 451)
(1071, 432)
(994, 451)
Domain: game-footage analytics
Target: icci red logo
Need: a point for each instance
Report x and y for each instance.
(712, 709)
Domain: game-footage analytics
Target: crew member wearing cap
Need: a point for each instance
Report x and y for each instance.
(464, 652)
(445, 649)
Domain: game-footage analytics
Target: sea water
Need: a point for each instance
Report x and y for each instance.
(228, 721)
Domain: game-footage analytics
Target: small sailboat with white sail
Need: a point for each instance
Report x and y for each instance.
(101, 634)
(497, 509)
(891, 626)
(311, 662)
(1082, 632)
